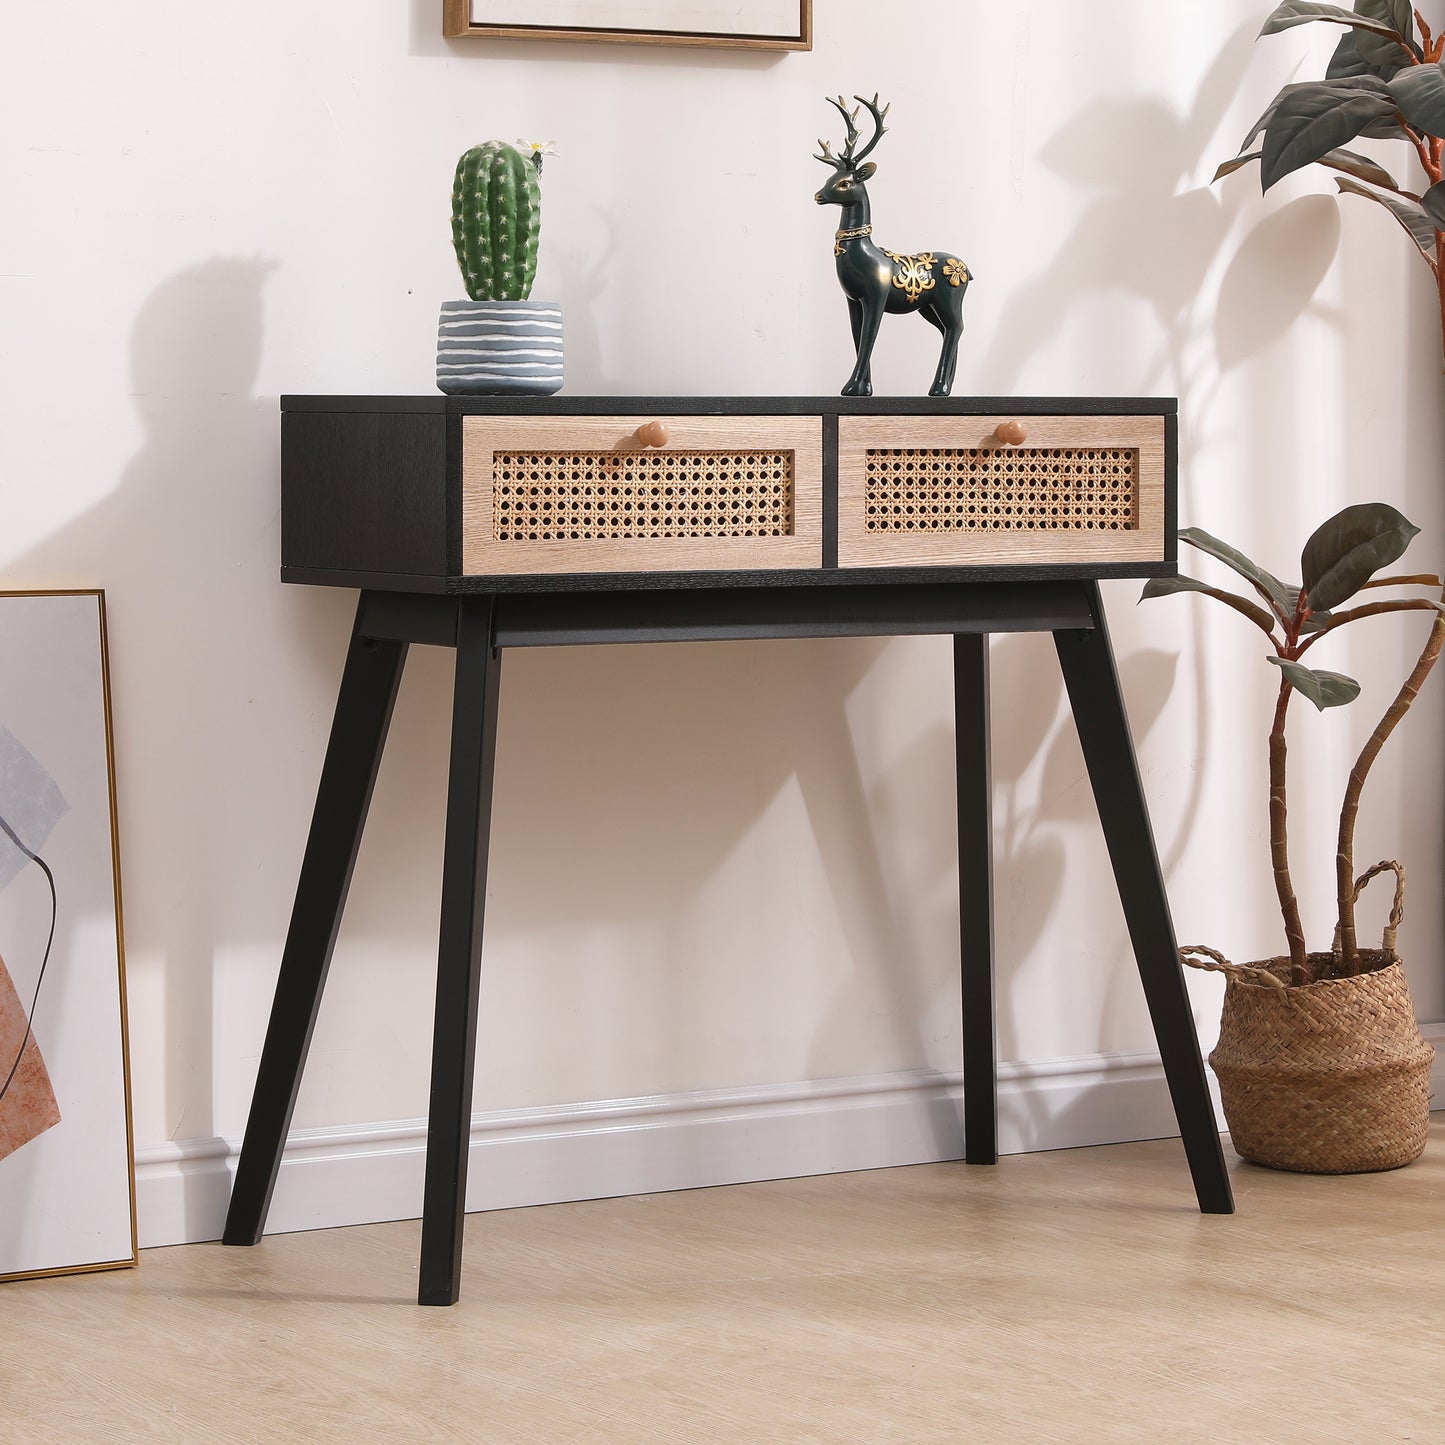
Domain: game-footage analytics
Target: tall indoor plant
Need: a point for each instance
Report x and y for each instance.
(1321, 1065)
(1385, 81)
(1286, 1018)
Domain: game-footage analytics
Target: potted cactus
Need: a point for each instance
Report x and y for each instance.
(499, 341)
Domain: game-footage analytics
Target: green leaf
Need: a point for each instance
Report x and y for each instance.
(1324, 689)
(1379, 50)
(1285, 599)
(1346, 551)
(1165, 586)
(1301, 12)
(1364, 79)
(1381, 54)
(1238, 163)
(1417, 224)
(1313, 120)
(1347, 61)
(1264, 120)
(1361, 167)
(1399, 15)
(1433, 204)
(1386, 128)
(1419, 92)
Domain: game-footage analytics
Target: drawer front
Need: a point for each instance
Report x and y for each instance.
(583, 494)
(946, 491)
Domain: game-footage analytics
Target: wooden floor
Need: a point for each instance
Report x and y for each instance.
(1073, 1296)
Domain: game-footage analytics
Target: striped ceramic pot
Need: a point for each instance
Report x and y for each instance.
(499, 348)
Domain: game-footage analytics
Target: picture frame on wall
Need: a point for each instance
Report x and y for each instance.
(740, 24)
(67, 1175)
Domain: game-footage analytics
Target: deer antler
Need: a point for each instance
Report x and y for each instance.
(849, 116)
(878, 127)
(844, 161)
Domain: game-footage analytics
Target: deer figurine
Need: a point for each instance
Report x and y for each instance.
(875, 280)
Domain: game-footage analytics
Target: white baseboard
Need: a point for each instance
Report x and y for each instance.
(367, 1173)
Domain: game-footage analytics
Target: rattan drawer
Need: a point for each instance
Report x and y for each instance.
(918, 491)
(581, 494)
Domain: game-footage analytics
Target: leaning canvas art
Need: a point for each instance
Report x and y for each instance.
(66, 1172)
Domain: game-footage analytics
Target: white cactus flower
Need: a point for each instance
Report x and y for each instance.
(537, 150)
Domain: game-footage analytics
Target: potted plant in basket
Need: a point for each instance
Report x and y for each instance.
(498, 341)
(1321, 1066)
(1385, 81)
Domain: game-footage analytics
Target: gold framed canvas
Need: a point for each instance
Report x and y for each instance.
(67, 1175)
(740, 24)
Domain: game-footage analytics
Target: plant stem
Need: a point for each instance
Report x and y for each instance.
(1440, 282)
(1349, 809)
(1279, 840)
(1370, 609)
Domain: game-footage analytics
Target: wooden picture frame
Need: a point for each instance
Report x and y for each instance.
(67, 1171)
(770, 25)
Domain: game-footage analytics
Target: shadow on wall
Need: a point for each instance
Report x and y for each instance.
(1034, 841)
(178, 546)
(1272, 278)
(651, 771)
(630, 778)
(1140, 236)
(1148, 235)
(1143, 238)
(700, 792)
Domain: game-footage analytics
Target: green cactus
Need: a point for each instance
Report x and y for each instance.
(496, 221)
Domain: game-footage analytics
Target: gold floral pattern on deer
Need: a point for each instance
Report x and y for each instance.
(955, 272)
(914, 275)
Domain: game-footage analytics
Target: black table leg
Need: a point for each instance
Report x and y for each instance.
(1087, 661)
(975, 895)
(358, 735)
(464, 893)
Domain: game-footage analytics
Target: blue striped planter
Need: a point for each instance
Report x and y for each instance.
(499, 348)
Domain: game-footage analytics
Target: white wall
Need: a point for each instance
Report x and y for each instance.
(205, 208)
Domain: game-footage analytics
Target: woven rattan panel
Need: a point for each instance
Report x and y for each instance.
(989, 489)
(594, 495)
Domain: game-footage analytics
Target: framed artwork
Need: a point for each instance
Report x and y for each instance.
(67, 1177)
(745, 24)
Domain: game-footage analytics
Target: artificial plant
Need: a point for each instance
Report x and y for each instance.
(497, 219)
(1385, 81)
(1338, 562)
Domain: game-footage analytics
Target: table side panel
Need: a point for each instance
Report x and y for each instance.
(364, 493)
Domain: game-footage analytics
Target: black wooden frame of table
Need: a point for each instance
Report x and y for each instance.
(481, 625)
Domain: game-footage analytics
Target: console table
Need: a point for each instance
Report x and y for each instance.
(483, 524)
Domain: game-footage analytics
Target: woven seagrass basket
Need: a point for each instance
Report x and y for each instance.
(1327, 1077)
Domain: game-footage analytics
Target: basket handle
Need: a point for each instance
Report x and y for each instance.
(1196, 955)
(1397, 908)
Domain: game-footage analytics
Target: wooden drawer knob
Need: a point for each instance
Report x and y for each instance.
(1011, 433)
(653, 434)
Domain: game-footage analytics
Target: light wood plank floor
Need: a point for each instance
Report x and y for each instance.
(1073, 1296)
